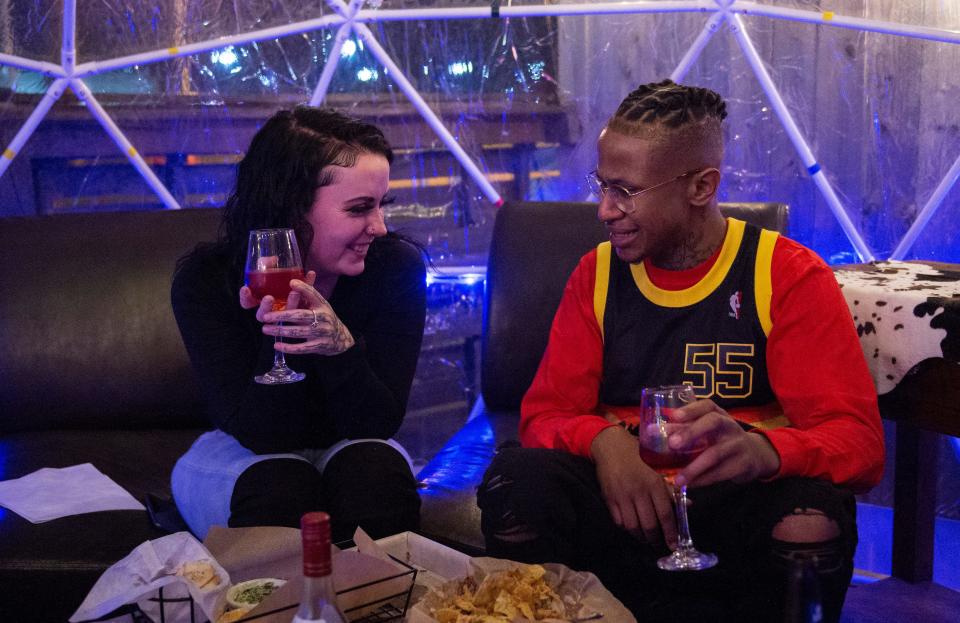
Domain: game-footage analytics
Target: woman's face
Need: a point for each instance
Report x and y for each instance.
(346, 216)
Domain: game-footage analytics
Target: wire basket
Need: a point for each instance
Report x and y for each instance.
(381, 608)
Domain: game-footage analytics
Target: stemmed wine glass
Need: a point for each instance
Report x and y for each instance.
(656, 404)
(273, 259)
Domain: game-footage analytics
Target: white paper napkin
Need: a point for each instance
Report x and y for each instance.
(150, 566)
(50, 493)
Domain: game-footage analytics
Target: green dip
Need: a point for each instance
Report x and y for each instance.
(255, 594)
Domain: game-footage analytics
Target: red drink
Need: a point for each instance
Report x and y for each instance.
(275, 282)
(656, 452)
(670, 462)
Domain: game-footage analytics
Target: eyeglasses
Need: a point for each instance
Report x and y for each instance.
(623, 197)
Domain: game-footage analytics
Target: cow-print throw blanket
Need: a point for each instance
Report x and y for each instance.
(905, 312)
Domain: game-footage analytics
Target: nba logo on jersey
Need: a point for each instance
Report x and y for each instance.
(735, 300)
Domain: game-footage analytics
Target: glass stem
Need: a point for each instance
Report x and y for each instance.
(279, 360)
(684, 542)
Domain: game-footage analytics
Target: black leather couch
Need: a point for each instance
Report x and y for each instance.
(534, 249)
(92, 370)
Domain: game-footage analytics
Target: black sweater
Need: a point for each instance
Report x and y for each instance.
(359, 393)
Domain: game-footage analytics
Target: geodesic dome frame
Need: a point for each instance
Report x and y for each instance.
(354, 18)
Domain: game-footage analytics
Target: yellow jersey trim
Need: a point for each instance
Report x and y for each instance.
(703, 288)
(779, 421)
(763, 283)
(601, 283)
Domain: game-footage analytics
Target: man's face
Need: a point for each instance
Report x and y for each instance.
(657, 225)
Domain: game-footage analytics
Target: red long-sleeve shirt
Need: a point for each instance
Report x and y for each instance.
(816, 367)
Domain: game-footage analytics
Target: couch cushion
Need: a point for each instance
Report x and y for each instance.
(54, 564)
(87, 333)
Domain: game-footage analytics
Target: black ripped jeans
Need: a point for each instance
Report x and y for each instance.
(546, 506)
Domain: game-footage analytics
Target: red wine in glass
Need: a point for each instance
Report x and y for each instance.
(273, 259)
(655, 451)
(668, 463)
(274, 282)
(656, 408)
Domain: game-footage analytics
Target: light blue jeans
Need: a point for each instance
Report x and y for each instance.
(203, 479)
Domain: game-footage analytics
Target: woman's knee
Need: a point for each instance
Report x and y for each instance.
(368, 467)
(370, 485)
(275, 492)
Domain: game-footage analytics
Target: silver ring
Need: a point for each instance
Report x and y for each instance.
(316, 320)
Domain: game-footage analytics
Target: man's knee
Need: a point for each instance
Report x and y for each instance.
(810, 536)
(520, 495)
(806, 526)
(495, 497)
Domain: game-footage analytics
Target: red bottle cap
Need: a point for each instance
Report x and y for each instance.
(315, 532)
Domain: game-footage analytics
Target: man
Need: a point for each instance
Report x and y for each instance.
(756, 323)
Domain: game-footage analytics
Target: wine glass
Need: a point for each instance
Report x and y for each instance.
(656, 405)
(273, 259)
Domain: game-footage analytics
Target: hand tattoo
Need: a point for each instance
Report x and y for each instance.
(342, 340)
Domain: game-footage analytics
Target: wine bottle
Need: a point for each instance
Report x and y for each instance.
(318, 603)
(804, 602)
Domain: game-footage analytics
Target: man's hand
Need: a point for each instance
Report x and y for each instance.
(732, 453)
(639, 499)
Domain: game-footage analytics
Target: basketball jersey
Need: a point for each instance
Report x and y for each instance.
(711, 336)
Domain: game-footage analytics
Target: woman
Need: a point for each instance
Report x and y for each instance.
(354, 325)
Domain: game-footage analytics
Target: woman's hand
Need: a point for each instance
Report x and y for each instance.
(308, 317)
(249, 301)
(732, 453)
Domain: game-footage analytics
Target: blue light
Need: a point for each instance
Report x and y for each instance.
(225, 57)
(366, 74)
(536, 69)
(460, 68)
(455, 279)
(349, 48)
(460, 464)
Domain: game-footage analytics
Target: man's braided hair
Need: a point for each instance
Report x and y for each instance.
(670, 104)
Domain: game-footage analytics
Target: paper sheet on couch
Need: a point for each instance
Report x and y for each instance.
(51, 493)
(151, 565)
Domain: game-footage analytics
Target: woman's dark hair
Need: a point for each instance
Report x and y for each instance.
(281, 171)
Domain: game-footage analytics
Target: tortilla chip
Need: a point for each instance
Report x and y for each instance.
(200, 572)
